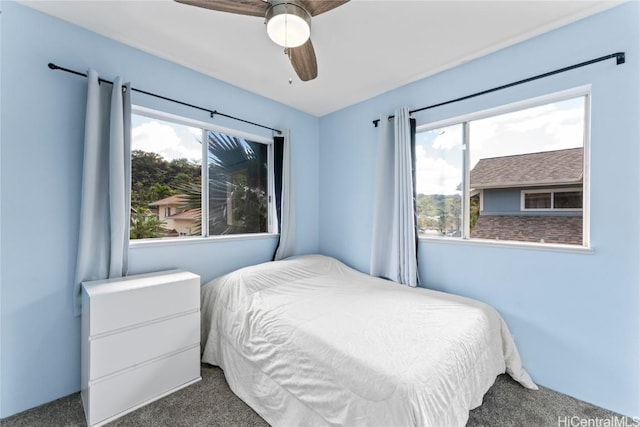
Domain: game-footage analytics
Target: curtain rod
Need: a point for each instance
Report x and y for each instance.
(211, 112)
(620, 59)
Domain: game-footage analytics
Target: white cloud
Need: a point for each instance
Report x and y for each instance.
(196, 132)
(435, 175)
(545, 128)
(164, 139)
(449, 138)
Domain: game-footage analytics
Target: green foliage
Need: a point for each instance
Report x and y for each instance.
(439, 212)
(249, 208)
(160, 191)
(474, 211)
(243, 211)
(180, 180)
(237, 204)
(145, 225)
(147, 168)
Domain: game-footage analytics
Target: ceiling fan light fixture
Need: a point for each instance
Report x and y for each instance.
(288, 24)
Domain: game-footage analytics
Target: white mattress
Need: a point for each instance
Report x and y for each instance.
(310, 341)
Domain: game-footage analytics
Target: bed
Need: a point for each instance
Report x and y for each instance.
(308, 341)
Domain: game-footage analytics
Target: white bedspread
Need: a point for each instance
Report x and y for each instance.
(310, 341)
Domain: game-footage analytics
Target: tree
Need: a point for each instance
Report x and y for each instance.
(143, 225)
(453, 214)
(184, 167)
(159, 191)
(439, 212)
(181, 179)
(237, 171)
(148, 168)
(474, 211)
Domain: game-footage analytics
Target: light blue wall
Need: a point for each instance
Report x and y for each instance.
(506, 201)
(42, 130)
(0, 216)
(575, 317)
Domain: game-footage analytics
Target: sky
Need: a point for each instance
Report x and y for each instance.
(548, 127)
(171, 141)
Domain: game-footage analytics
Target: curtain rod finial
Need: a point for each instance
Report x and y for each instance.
(52, 66)
(620, 58)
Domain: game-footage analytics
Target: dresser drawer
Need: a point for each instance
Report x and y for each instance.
(112, 396)
(138, 299)
(113, 352)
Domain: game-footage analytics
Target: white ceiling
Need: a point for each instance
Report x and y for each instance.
(364, 47)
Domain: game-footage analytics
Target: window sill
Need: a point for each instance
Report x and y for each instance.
(549, 247)
(179, 241)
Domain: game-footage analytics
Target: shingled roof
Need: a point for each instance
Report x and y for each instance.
(178, 199)
(548, 229)
(545, 168)
(190, 214)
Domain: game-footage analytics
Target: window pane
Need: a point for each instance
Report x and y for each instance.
(439, 181)
(567, 200)
(238, 200)
(165, 179)
(537, 148)
(537, 201)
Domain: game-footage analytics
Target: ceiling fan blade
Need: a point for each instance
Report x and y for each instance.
(316, 7)
(241, 7)
(303, 59)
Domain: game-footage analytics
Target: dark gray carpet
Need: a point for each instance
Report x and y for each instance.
(211, 403)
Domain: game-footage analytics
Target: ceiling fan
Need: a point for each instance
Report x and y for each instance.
(288, 24)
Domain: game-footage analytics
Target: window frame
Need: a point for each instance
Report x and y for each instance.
(552, 192)
(272, 225)
(465, 119)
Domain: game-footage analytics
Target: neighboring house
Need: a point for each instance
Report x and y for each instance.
(176, 220)
(534, 197)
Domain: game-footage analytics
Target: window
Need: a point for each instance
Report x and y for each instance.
(537, 200)
(439, 169)
(552, 200)
(238, 187)
(167, 176)
(516, 173)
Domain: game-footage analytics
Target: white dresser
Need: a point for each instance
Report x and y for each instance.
(140, 341)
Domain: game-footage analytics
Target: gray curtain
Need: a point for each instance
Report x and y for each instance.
(105, 205)
(393, 247)
(287, 223)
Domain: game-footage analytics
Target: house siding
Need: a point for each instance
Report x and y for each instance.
(506, 201)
